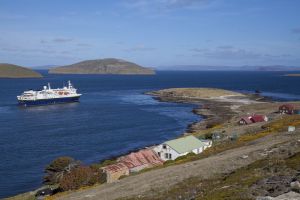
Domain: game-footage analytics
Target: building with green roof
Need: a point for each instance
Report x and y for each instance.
(172, 149)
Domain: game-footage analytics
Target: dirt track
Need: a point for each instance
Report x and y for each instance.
(163, 178)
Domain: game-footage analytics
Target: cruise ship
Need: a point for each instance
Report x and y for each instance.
(49, 96)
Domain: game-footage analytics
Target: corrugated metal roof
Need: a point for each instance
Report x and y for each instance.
(145, 157)
(258, 118)
(185, 144)
(115, 167)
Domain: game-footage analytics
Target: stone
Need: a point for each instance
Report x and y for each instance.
(264, 198)
(295, 186)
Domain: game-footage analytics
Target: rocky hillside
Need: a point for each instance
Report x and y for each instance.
(14, 71)
(102, 66)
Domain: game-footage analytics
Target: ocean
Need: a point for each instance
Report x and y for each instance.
(114, 117)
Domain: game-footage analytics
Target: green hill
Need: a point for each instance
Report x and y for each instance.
(14, 71)
(103, 66)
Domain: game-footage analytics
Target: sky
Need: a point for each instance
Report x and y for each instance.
(153, 33)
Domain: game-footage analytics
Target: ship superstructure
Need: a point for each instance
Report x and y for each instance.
(49, 96)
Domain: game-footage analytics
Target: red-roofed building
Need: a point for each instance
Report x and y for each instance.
(140, 160)
(245, 120)
(258, 118)
(286, 109)
(132, 162)
(253, 119)
(115, 171)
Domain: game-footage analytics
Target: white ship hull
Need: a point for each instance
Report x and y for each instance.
(49, 96)
(41, 102)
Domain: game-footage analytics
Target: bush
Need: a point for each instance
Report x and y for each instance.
(79, 177)
(58, 168)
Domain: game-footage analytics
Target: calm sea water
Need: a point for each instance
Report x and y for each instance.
(112, 118)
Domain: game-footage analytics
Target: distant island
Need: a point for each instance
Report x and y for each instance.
(15, 71)
(231, 68)
(292, 75)
(103, 66)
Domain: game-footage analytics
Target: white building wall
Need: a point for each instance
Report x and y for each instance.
(208, 143)
(197, 151)
(163, 151)
(174, 154)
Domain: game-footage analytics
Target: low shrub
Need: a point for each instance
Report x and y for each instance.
(58, 168)
(79, 177)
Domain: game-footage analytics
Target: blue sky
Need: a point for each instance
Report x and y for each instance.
(154, 33)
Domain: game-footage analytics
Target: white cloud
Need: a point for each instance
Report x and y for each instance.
(162, 6)
(140, 48)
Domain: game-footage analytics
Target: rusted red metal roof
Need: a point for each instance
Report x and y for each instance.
(115, 167)
(151, 156)
(145, 157)
(258, 118)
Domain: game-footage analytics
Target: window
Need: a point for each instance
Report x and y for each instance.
(166, 155)
(170, 156)
(159, 154)
(164, 146)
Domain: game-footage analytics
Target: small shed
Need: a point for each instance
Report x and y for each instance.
(208, 143)
(245, 120)
(253, 119)
(291, 128)
(115, 171)
(286, 109)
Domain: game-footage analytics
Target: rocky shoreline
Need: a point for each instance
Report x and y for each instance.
(213, 111)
